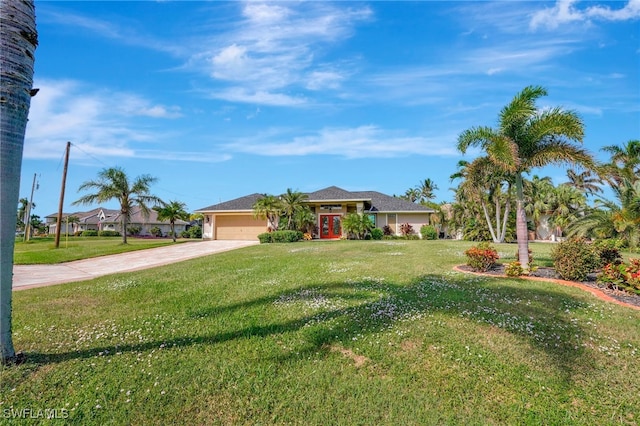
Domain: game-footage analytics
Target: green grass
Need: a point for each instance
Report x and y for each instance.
(320, 333)
(41, 250)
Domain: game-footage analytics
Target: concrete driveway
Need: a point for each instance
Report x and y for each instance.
(30, 276)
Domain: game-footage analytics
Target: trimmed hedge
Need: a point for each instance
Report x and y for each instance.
(428, 232)
(108, 233)
(280, 237)
(89, 233)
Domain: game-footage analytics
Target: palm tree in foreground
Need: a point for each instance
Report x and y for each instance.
(526, 138)
(268, 207)
(113, 184)
(172, 211)
(19, 39)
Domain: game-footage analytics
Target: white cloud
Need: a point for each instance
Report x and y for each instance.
(359, 142)
(567, 11)
(100, 124)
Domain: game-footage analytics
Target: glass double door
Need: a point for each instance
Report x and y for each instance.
(330, 226)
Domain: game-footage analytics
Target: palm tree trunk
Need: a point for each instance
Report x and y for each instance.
(521, 226)
(488, 219)
(124, 227)
(173, 230)
(18, 38)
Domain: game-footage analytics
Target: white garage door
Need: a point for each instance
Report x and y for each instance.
(241, 227)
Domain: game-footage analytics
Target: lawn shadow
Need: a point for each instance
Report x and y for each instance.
(536, 315)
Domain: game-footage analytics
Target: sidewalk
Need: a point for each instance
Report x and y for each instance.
(30, 276)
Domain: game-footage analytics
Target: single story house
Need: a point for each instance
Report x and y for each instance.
(101, 219)
(234, 220)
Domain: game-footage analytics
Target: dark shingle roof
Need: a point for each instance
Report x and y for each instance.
(374, 201)
(242, 203)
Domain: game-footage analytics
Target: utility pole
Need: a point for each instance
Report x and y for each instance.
(27, 225)
(64, 183)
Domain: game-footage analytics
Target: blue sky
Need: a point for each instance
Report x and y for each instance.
(224, 99)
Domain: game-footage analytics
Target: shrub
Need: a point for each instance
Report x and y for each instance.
(575, 259)
(621, 276)
(108, 233)
(155, 231)
(286, 236)
(406, 229)
(513, 269)
(387, 230)
(265, 238)
(411, 237)
(377, 233)
(185, 234)
(133, 230)
(608, 251)
(89, 233)
(195, 232)
(307, 236)
(481, 257)
(428, 232)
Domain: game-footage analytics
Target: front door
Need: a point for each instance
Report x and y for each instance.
(330, 226)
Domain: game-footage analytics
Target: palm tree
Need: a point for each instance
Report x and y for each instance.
(71, 220)
(611, 219)
(625, 162)
(486, 186)
(172, 211)
(426, 189)
(113, 184)
(305, 220)
(22, 211)
(268, 207)
(19, 39)
(527, 137)
(411, 194)
(537, 193)
(585, 181)
(292, 201)
(566, 204)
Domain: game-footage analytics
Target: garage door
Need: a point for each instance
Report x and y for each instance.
(239, 227)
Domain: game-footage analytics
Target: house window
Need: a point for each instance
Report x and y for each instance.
(372, 218)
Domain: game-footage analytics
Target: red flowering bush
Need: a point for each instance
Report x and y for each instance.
(622, 276)
(482, 257)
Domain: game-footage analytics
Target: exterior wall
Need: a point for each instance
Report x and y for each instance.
(415, 220)
(207, 227)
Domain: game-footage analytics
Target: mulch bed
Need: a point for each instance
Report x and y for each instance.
(549, 274)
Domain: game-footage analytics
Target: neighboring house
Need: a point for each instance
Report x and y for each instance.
(100, 219)
(234, 220)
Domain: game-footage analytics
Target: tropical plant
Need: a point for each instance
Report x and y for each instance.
(624, 163)
(292, 202)
(428, 232)
(305, 220)
(113, 184)
(525, 138)
(482, 257)
(490, 188)
(426, 188)
(18, 38)
(585, 181)
(71, 220)
(537, 193)
(411, 194)
(357, 225)
(575, 259)
(566, 205)
(22, 212)
(268, 207)
(172, 211)
(611, 219)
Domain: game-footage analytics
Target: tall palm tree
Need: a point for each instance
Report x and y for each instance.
(19, 39)
(172, 211)
(411, 194)
(268, 207)
(22, 210)
(113, 184)
(527, 137)
(426, 188)
(292, 201)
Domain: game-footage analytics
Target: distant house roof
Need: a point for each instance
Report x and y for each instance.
(100, 215)
(374, 201)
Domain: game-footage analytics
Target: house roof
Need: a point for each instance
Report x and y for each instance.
(238, 204)
(374, 201)
(99, 214)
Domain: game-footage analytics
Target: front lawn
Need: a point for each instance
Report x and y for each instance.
(344, 332)
(41, 250)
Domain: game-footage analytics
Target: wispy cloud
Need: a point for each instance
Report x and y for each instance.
(567, 11)
(359, 142)
(276, 47)
(101, 124)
